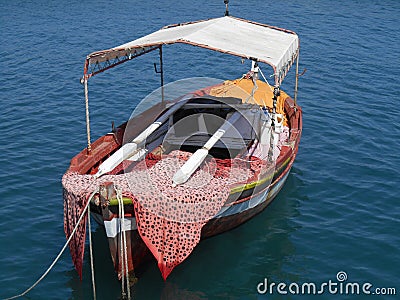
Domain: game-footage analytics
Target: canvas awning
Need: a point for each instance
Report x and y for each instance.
(271, 45)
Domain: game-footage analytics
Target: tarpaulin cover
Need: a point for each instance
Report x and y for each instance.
(274, 46)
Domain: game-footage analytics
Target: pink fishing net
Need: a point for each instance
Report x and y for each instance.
(169, 219)
(76, 190)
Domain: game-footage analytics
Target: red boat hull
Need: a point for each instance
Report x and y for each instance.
(139, 254)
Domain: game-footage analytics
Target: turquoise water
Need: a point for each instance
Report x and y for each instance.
(339, 210)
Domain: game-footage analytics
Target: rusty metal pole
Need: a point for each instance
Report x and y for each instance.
(296, 86)
(85, 83)
(161, 75)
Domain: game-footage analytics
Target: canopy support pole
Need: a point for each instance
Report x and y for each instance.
(161, 75)
(85, 83)
(226, 7)
(296, 86)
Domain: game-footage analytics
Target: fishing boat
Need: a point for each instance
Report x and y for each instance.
(191, 162)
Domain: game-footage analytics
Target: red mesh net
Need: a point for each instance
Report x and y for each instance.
(75, 193)
(169, 219)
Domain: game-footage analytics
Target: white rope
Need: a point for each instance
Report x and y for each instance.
(123, 247)
(58, 256)
(121, 255)
(271, 148)
(91, 254)
(125, 250)
(265, 79)
(253, 90)
(255, 86)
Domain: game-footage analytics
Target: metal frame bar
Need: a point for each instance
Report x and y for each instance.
(296, 85)
(123, 55)
(85, 83)
(99, 67)
(161, 72)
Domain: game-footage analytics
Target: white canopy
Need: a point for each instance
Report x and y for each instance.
(274, 46)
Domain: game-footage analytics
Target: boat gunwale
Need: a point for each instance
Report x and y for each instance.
(114, 141)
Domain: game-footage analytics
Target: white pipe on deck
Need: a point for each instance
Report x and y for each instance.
(131, 148)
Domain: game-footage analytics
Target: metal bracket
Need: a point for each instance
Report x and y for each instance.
(155, 69)
(302, 73)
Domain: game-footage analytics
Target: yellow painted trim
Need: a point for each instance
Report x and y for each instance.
(253, 184)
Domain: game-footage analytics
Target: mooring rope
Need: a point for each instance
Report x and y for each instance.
(123, 247)
(121, 250)
(58, 256)
(265, 79)
(91, 252)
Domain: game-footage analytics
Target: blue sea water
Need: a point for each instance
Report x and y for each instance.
(339, 210)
